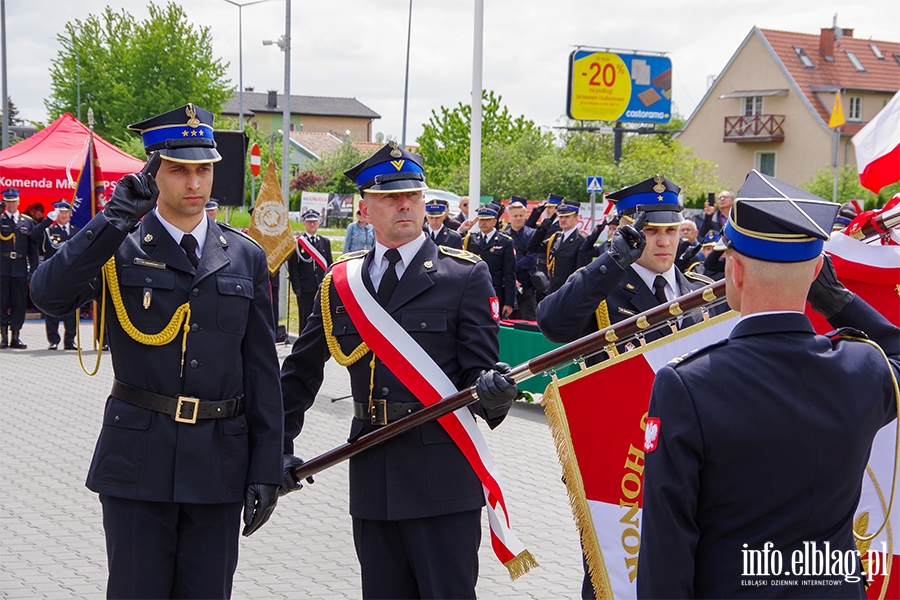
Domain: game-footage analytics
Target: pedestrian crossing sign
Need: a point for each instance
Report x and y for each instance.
(595, 185)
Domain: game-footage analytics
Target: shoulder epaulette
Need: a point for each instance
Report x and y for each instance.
(460, 254)
(227, 227)
(694, 353)
(28, 217)
(699, 277)
(351, 255)
(504, 234)
(846, 333)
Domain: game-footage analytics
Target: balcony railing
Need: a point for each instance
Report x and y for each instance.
(755, 128)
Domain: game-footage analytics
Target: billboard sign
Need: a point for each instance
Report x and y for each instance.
(609, 86)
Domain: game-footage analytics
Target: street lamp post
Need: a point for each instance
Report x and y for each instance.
(406, 80)
(285, 44)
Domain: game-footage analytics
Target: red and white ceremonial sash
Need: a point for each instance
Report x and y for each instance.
(312, 251)
(427, 381)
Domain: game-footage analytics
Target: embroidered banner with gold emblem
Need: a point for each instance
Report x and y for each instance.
(269, 225)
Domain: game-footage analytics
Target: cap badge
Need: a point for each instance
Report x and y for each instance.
(660, 187)
(148, 238)
(395, 152)
(398, 164)
(193, 121)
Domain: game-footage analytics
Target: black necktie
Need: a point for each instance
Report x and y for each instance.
(189, 243)
(389, 279)
(659, 287)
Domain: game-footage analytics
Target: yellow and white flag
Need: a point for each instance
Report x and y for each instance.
(269, 225)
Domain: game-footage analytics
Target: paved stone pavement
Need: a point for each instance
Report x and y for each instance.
(51, 536)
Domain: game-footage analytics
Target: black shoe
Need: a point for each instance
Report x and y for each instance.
(105, 347)
(17, 344)
(52, 346)
(4, 343)
(70, 347)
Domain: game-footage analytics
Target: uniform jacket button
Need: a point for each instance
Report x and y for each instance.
(89, 234)
(195, 328)
(195, 292)
(116, 418)
(148, 280)
(603, 268)
(238, 288)
(423, 325)
(385, 391)
(194, 364)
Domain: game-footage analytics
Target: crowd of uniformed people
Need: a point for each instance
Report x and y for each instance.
(200, 426)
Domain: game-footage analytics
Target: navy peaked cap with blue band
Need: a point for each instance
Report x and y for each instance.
(182, 135)
(657, 197)
(391, 169)
(568, 207)
(211, 204)
(776, 222)
(490, 211)
(711, 237)
(310, 215)
(517, 201)
(435, 207)
(10, 194)
(554, 199)
(62, 205)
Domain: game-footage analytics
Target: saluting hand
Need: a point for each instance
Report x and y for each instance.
(135, 195)
(827, 295)
(628, 242)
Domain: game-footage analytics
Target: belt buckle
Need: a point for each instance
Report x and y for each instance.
(182, 400)
(373, 412)
(12, 256)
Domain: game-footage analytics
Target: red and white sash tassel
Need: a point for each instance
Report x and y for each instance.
(425, 379)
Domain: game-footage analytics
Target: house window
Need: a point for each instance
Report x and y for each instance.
(855, 106)
(803, 57)
(292, 127)
(765, 163)
(855, 61)
(876, 52)
(752, 106)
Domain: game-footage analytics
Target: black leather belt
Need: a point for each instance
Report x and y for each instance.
(184, 409)
(384, 412)
(12, 255)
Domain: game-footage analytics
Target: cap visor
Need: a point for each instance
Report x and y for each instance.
(657, 218)
(400, 185)
(190, 155)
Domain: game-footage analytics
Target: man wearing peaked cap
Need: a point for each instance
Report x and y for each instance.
(415, 501)
(517, 209)
(566, 249)
(50, 234)
(436, 229)
(498, 250)
(192, 428)
(304, 270)
(18, 259)
(714, 489)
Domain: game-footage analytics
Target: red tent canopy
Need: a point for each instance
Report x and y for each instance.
(45, 167)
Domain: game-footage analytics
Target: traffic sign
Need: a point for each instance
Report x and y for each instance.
(255, 160)
(595, 185)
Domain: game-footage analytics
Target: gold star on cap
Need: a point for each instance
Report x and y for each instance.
(148, 238)
(184, 133)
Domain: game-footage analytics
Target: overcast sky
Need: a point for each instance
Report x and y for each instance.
(357, 48)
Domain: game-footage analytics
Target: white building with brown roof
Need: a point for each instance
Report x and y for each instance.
(770, 106)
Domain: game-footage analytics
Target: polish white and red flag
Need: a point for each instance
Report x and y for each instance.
(878, 148)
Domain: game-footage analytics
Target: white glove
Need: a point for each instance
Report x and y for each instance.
(53, 214)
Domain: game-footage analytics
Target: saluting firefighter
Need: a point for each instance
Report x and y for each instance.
(415, 501)
(51, 233)
(567, 249)
(520, 233)
(18, 260)
(725, 418)
(192, 427)
(635, 274)
(435, 215)
(498, 250)
(307, 266)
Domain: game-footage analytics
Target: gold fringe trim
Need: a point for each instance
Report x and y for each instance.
(521, 564)
(559, 428)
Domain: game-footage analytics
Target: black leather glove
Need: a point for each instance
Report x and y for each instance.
(496, 392)
(827, 294)
(595, 234)
(135, 195)
(289, 484)
(628, 242)
(688, 255)
(259, 502)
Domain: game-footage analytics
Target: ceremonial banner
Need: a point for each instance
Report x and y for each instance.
(270, 226)
(598, 426)
(878, 148)
(88, 198)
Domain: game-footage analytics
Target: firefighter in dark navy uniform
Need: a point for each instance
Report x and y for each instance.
(525, 261)
(635, 274)
(193, 425)
(51, 233)
(415, 501)
(18, 260)
(436, 229)
(726, 418)
(565, 249)
(498, 250)
(304, 272)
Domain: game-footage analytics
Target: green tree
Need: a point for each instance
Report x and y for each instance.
(13, 113)
(130, 70)
(445, 140)
(849, 188)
